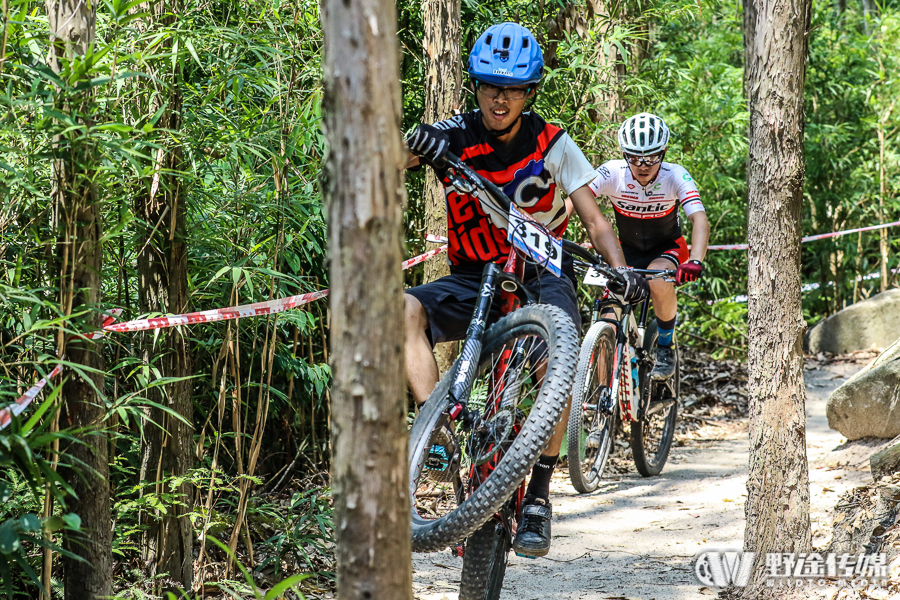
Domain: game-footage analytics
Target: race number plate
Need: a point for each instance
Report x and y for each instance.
(594, 277)
(528, 237)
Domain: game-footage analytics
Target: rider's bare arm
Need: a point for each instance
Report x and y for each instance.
(602, 235)
(412, 160)
(699, 235)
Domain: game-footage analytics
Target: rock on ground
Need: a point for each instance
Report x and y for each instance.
(872, 323)
(868, 404)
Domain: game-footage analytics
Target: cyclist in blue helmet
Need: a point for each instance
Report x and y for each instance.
(537, 164)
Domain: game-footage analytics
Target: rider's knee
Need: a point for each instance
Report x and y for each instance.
(416, 317)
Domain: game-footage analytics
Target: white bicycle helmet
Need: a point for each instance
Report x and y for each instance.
(643, 134)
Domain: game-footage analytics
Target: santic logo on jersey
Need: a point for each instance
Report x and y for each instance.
(643, 211)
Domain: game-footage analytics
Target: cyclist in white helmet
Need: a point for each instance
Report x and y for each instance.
(645, 193)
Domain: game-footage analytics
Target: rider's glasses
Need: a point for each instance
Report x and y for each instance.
(492, 91)
(646, 160)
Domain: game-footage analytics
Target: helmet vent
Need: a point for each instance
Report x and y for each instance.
(488, 40)
(506, 43)
(524, 42)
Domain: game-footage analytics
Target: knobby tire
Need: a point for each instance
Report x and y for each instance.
(593, 375)
(467, 510)
(484, 562)
(651, 438)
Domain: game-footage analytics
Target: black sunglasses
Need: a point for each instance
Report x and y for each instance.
(650, 160)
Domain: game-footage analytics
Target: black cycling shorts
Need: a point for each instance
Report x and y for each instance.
(450, 301)
(674, 250)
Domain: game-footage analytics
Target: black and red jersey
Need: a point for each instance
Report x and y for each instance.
(536, 169)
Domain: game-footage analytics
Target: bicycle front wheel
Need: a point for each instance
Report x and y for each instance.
(484, 562)
(590, 429)
(461, 474)
(651, 437)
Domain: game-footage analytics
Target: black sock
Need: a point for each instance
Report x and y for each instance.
(539, 486)
(666, 331)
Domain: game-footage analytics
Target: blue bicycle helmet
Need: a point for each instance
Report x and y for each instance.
(506, 54)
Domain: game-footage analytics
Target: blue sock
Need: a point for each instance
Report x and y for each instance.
(666, 331)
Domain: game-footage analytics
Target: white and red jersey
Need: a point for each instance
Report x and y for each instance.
(647, 216)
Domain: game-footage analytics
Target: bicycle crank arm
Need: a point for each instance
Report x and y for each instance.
(659, 405)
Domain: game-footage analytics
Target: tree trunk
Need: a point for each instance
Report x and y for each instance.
(72, 27)
(883, 234)
(443, 91)
(365, 203)
(777, 508)
(163, 287)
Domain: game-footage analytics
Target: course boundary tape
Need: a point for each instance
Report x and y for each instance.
(810, 238)
(272, 307)
(269, 307)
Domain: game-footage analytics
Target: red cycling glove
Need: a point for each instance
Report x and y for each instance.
(689, 271)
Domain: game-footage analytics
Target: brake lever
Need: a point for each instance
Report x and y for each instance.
(462, 185)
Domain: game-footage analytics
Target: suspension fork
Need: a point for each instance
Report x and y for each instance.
(467, 366)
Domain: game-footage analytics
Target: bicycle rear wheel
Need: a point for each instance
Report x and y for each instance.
(590, 429)
(460, 476)
(484, 562)
(651, 437)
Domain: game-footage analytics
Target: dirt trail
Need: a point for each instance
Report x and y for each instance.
(635, 538)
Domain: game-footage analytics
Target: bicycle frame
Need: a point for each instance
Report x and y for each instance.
(630, 330)
(513, 292)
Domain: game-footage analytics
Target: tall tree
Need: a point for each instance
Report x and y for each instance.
(365, 196)
(74, 170)
(166, 446)
(777, 508)
(443, 93)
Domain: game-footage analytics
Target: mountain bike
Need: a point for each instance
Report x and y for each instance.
(484, 426)
(613, 386)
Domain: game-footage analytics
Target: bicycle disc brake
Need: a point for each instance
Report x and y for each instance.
(492, 435)
(605, 401)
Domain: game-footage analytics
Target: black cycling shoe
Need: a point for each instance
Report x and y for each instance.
(664, 367)
(533, 533)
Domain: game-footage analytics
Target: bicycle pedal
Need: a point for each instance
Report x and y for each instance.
(526, 556)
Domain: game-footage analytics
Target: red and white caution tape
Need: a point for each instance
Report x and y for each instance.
(423, 257)
(811, 238)
(269, 307)
(22, 403)
(25, 399)
(848, 231)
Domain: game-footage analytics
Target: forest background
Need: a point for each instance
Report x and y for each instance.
(198, 128)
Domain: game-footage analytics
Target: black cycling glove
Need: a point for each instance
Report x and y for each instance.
(633, 289)
(429, 143)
